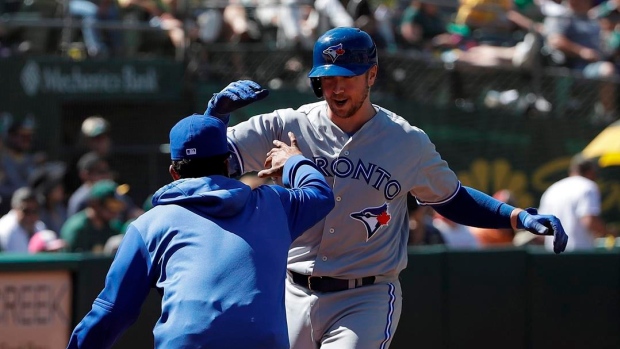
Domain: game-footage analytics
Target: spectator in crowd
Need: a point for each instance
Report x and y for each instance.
(228, 24)
(385, 14)
(161, 14)
(577, 39)
(576, 200)
(609, 20)
(497, 237)
(475, 15)
(486, 32)
(552, 8)
(91, 13)
(46, 241)
(89, 229)
(95, 138)
(95, 132)
(47, 182)
(92, 168)
(421, 229)
(422, 27)
(230, 21)
(21, 222)
(286, 21)
(295, 22)
(238, 27)
(369, 19)
(454, 234)
(17, 161)
(94, 135)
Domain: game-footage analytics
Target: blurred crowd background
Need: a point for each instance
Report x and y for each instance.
(580, 38)
(81, 203)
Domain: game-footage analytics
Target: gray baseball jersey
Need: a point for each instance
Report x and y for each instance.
(370, 172)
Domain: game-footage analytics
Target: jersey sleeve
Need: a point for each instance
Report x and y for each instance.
(118, 305)
(249, 141)
(433, 180)
(308, 199)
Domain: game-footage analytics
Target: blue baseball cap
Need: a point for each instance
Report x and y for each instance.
(198, 136)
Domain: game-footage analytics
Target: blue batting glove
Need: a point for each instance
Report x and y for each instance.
(547, 225)
(236, 95)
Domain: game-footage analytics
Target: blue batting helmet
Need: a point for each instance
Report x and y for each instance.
(341, 52)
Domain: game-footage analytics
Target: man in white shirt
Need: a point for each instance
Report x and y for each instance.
(576, 201)
(21, 222)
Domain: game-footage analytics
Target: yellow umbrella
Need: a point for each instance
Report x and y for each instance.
(605, 146)
(609, 160)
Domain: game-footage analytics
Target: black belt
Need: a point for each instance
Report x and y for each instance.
(328, 284)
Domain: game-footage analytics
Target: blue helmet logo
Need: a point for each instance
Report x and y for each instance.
(333, 52)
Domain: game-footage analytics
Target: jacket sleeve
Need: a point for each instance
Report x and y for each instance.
(118, 305)
(309, 198)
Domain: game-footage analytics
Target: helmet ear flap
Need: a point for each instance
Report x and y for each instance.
(316, 87)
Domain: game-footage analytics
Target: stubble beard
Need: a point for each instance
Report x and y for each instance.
(353, 109)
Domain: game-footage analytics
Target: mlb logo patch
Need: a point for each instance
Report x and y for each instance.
(190, 151)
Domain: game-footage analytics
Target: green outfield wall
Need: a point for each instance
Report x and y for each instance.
(505, 298)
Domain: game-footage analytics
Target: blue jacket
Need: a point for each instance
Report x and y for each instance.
(216, 251)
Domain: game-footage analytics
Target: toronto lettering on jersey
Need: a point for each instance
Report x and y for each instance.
(374, 175)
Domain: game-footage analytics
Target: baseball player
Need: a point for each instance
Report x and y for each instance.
(214, 249)
(342, 289)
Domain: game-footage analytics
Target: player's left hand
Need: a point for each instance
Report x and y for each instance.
(236, 95)
(547, 225)
(277, 156)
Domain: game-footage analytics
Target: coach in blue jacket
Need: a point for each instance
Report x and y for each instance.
(215, 249)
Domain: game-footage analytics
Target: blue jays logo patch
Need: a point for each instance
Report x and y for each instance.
(334, 52)
(373, 218)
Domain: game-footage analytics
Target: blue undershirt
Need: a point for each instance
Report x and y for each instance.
(477, 209)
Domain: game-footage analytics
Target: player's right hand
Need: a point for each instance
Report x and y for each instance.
(236, 95)
(539, 224)
(277, 156)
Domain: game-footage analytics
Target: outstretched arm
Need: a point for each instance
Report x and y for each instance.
(236, 95)
(309, 198)
(118, 305)
(474, 208)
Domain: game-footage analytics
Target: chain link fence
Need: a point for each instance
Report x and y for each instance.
(548, 92)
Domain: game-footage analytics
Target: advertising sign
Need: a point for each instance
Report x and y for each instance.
(35, 309)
